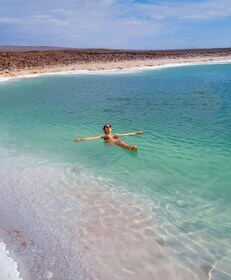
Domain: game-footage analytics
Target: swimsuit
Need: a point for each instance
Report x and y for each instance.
(107, 137)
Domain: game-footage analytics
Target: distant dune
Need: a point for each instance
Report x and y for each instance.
(28, 48)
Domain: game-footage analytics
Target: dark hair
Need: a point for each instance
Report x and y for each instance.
(106, 125)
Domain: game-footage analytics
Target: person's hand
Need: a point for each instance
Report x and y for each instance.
(77, 140)
(140, 132)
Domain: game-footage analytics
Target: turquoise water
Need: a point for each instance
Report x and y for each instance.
(183, 164)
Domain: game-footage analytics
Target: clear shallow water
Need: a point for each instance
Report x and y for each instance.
(178, 182)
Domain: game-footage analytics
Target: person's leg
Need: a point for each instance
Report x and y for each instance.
(126, 146)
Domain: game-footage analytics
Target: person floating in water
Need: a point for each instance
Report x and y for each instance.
(110, 138)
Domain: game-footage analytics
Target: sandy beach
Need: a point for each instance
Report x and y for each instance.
(25, 62)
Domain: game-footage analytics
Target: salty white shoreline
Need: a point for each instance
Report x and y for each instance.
(8, 267)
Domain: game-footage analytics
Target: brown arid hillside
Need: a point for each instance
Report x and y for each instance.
(16, 58)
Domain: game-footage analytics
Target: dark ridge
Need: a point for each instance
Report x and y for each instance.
(28, 48)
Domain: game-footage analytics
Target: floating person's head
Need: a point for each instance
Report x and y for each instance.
(107, 128)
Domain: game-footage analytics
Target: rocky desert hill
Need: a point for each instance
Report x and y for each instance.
(15, 58)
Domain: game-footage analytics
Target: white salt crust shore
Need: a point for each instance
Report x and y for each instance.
(8, 267)
(112, 67)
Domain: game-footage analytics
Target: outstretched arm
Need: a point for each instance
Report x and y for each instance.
(88, 138)
(130, 133)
